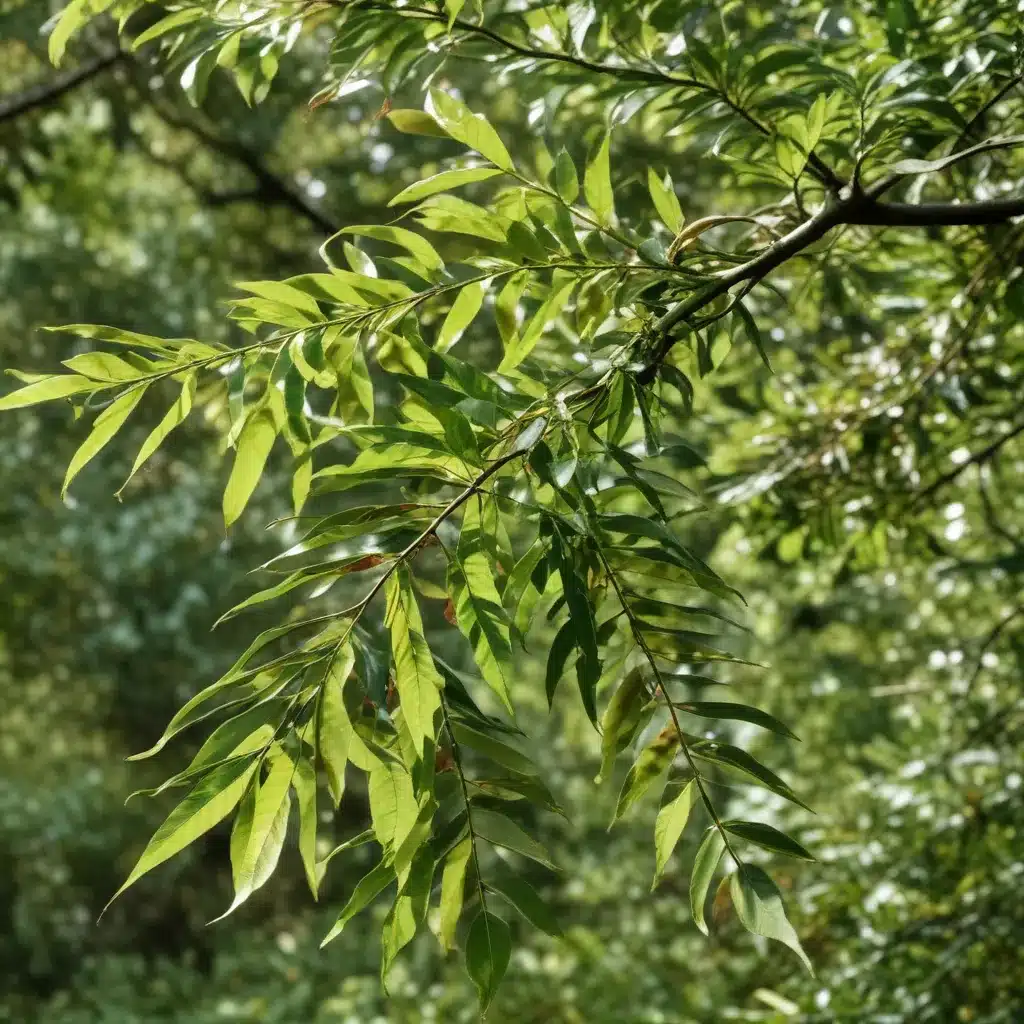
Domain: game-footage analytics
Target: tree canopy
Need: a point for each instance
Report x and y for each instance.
(633, 387)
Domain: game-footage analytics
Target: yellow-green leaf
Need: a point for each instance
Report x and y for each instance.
(107, 424)
(464, 309)
(597, 183)
(253, 861)
(665, 200)
(47, 390)
(417, 679)
(304, 783)
(708, 855)
(251, 451)
(453, 884)
(668, 827)
(174, 416)
(211, 801)
(442, 183)
(473, 130)
(522, 345)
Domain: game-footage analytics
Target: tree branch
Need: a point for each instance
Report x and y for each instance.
(45, 93)
(857, 209)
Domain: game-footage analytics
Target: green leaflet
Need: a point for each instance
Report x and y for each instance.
(759, 907)
(168, 24)
(477, 603)
(566, 182)
(107, 424)
(103, 366)
(417, 679)
(653, 761)
(175, 416)
(523, 897)
(304, 783)
(211, 801)
(393, 807)
(519, 346)
(408, 910)
(738, 713)
(767, 837)
(736, 758)
(453, 884)
(665, 201)
(506, 309)
(386, 461)
(488, 949)
(442, 183)
(46, 390)
(704, 864)
(261, 831)
(337, 739)
(413, 243)
(502, 831)
(367, 889)
(464, 309)
(472, 130)
(493, 748)
(622, 717)
(597, 183)
(676, 805)
(251, 452)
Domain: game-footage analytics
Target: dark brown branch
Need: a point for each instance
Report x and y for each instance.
(42, 95)
(909, 215)
(858, 209)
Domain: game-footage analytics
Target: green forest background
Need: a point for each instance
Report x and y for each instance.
(899, 669)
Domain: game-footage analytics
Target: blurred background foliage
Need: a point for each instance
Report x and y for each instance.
(879, 543)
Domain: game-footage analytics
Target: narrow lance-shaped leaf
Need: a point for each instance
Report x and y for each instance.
(453, 884)
(621, 718)
(251, 452)
(47, 390)
(369, 887)
(566, 182)
(443, 182)
(597, 183)
(488, 949)
(174, 416)
(254, 861)
(478, 609)
(521, 345)
(767, 837)
(471, 129)
(759, 907)
(523, 897)
(107, 424)
(304, 783)
(653, 761)
(417, 679)
(465, 307)
(211, 801)
(665, 201)
(708, 855)
(668, 827)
